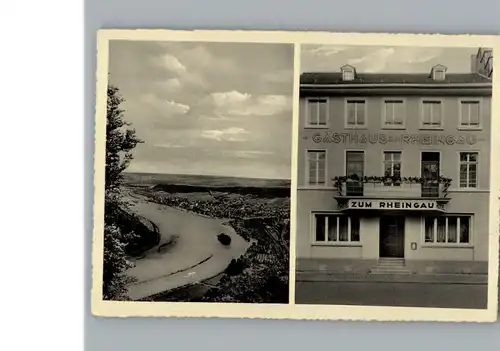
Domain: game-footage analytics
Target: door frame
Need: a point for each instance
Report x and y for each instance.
(400, 225)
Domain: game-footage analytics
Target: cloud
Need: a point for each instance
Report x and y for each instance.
(246, 153)
(234, 103)
(393, 59)
(166, 106)
(177, 108)
(172, 64)
(228, 134)
(231, 98)
(323, 50)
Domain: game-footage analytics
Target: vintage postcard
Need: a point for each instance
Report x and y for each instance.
(296, 175)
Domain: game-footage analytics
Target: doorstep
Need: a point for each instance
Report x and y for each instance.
(310, 276)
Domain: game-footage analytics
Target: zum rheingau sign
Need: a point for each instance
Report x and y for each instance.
(412, 205)
(404, 138)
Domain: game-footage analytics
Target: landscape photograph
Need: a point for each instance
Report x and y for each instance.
(198, 167)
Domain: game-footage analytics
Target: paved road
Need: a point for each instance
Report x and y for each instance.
(392, 294)
(195, 255)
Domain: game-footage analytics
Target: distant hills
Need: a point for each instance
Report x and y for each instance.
(185, 183)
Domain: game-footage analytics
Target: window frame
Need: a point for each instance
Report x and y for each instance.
(383, 164)
(441, 104)
(460, 116)
(458, 244)
(384, 111)
(459, 153)
(309, 185)
(307, 109)
(326, 242)
(346, 113)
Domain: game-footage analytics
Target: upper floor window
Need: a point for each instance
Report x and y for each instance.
(432, 114)
(348, 72)
(316, 164)
(393, 114)
(317, 112)
(469, 114)
(356, 113)
(438, 72)
(468, 169)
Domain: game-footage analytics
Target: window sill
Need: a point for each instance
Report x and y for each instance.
(337, 244)
(431, 128)
(472, 129)
(356, 127)
(313, 187)
(393, 128)
(447, 246)
(468, 190)
(316, 127)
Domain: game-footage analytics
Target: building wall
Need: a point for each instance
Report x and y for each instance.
(474, 202)
(410, 152)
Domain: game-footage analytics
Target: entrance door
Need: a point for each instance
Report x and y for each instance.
(430, 174)
(392, 230)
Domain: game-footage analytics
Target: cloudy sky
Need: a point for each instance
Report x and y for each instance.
(207, 108)
(375, 59)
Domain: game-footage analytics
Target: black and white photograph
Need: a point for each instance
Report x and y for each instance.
(393, 194)
(198, 169)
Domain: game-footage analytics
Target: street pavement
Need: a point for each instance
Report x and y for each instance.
(404, 294)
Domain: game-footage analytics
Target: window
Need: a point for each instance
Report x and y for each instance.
(356, 113)
(336, 228)
(431, 114)
(317, 167)
(468, 169)
(355, 162)
(439, 74)
(393, 113)
(317, 111)
(392, 167)
(447, 230)
(348, 74)
(469, 114)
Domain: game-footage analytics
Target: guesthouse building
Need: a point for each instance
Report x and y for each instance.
(393, 171)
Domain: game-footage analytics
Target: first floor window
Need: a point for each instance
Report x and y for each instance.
(317, 167)
(392, 167)
(447, 229)
(336, 228)
(468, 169)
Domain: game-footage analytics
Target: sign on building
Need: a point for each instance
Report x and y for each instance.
(411, 205)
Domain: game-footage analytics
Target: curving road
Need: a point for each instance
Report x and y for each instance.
(188, 251)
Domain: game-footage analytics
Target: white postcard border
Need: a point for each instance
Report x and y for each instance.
(291, 310)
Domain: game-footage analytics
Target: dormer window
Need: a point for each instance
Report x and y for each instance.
(438, 72)
(348, 72)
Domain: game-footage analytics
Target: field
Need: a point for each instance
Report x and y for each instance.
(203, 180)
(256, 210)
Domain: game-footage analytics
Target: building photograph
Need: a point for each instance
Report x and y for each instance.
(393, 176)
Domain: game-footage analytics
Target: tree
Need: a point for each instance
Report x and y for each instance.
(120, 141)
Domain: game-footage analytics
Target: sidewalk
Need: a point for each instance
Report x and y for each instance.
(311, 276)
(405, 290)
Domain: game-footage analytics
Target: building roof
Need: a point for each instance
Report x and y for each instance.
(390, 78)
